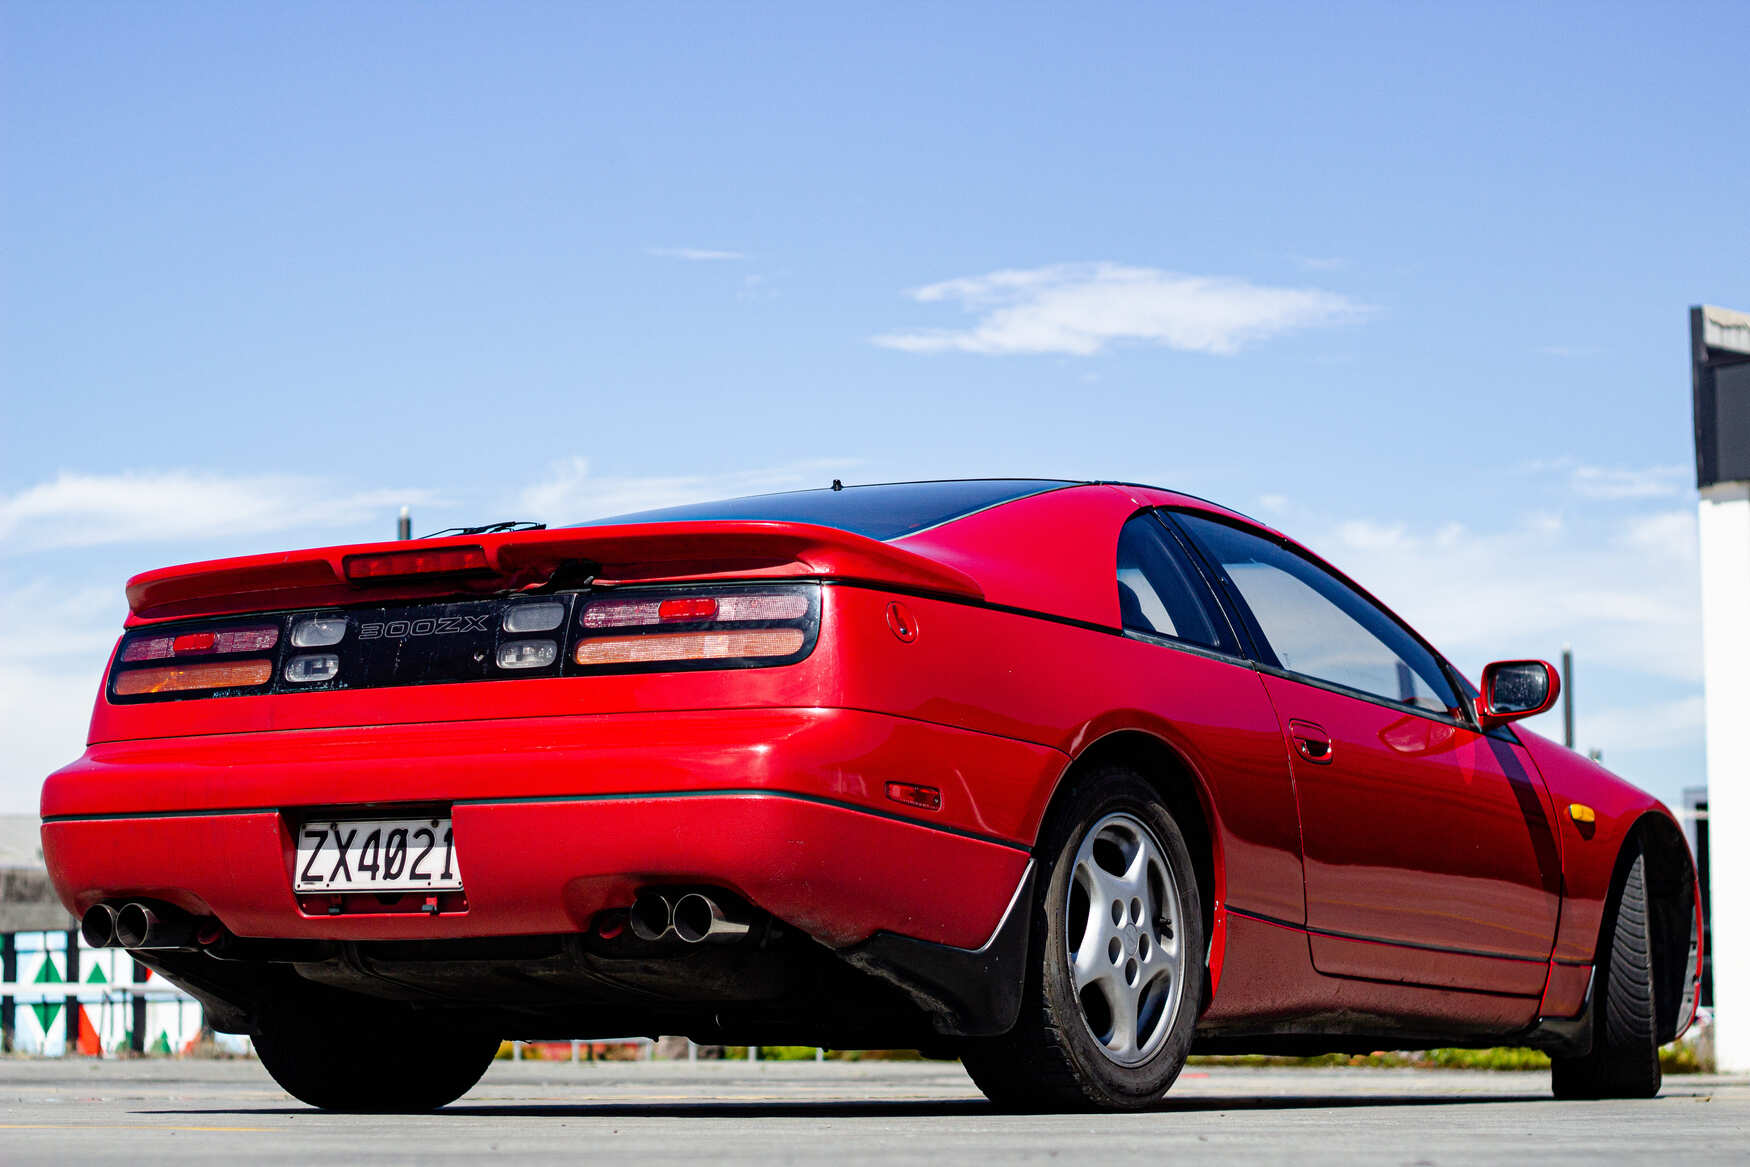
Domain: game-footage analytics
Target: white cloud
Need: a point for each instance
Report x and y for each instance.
(1080, 308)
(54, 640)
(1621, 589)
(697, 254)
(571, 494)
(83, 510)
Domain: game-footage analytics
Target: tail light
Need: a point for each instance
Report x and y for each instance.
(194, 660)
(557, 634)
(698, 628)
(399, 565)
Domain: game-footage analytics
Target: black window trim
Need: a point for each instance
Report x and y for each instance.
(1264, 658)
(1210, 596)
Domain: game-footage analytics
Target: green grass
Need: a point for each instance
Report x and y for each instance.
(1674, 1059)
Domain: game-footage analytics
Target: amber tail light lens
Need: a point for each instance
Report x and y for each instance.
(205, 675)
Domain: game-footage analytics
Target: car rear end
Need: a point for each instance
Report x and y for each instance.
(575, 781)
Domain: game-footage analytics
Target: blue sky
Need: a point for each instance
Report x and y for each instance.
(1407, 280)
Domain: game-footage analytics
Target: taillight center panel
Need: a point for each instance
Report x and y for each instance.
(516, 636)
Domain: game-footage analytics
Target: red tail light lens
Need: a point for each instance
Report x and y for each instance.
(211, 642)
(401, 564)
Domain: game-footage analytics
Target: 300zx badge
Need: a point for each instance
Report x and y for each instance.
(441, 626)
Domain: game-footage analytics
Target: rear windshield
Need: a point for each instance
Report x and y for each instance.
(888, 511)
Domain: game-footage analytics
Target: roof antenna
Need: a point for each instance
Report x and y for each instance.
(837, 485)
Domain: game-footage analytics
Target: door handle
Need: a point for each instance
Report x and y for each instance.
(1311, 741)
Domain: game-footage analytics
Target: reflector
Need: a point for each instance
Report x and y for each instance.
(319, 632)
(535, 617)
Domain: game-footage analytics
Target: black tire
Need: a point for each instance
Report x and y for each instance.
(1052, 1059)
(363, 1060)
(1624, 1062)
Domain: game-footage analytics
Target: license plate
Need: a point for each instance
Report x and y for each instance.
(377, 855)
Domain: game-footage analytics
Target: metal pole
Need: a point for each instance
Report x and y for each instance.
(404, 525)
(8, 1008)
(73, 979)
(137, 1040)
(1567, 696)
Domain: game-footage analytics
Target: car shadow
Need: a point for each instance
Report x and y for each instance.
(879, 1108)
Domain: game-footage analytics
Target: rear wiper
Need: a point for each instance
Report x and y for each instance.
(487, 529)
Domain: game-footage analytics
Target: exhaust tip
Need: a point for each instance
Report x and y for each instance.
(97, 926)
(133, 925)
(698, 917)
(652, 917)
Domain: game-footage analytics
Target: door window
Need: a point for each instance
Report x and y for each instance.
(1160, 592)
(1319, 626)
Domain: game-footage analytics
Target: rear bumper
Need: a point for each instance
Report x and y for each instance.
(557, 819)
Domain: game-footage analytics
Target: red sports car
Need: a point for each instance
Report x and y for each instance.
(1067, 779)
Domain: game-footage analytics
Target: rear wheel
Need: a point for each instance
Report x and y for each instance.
(1624, 1062)
(1115, 972)
(357, 1059)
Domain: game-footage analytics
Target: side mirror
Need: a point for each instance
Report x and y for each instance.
(1517, 688)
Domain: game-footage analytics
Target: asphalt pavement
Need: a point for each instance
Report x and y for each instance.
(152, 1110)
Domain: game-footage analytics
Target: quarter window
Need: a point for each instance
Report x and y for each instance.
(1159, 591)
(1319, 626)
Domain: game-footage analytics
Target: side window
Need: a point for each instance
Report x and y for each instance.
(1319, 626)
(1160, 592)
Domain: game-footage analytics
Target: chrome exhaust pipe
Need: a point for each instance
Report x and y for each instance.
(97, 926)
(140, 925)
(698, 918)
(652, 916)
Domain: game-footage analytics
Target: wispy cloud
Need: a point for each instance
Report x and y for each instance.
(1080, 308)
(1613, 483)
(570, 493)
(697, 254)
(83, 510)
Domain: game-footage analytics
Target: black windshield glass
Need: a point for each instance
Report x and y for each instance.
(889, 511)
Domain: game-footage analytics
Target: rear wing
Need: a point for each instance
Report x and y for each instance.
(529, 560)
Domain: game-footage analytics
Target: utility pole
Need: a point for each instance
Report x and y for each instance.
(1567, 696)
(1719, 342)
(404, 525)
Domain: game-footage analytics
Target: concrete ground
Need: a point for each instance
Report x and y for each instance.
(83, 1111)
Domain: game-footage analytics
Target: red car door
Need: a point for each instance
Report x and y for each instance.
(1429, 850)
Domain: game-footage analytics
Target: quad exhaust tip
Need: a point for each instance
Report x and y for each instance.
(700, 919)
(138, 926)
(97, 926)
(692, 918)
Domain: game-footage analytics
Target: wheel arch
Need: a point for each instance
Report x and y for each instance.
(1186, 795)
(1674, 921)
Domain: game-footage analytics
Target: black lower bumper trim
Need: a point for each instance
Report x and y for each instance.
(967, 992)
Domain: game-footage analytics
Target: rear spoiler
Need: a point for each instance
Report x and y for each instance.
(523, 560)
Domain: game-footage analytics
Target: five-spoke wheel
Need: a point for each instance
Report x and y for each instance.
(1116, 957)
